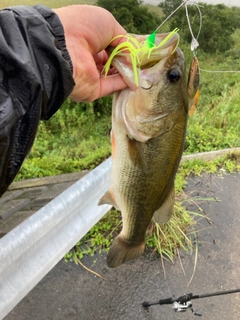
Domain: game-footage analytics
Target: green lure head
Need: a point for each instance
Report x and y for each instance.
(150, 41)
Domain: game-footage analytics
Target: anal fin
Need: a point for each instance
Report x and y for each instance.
(163, 214)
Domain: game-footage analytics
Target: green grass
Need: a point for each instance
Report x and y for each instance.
(215, 124)
(48, 3)
(163, 240)
(62, 3)
(77, 136)
(224, 164)
(74, 139)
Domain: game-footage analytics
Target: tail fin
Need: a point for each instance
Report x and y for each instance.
(121, 251)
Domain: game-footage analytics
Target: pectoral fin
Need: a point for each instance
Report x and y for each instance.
(108, 198)
(136, 147)
(163, 214)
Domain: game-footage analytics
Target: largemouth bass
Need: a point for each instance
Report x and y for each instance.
(148, 132)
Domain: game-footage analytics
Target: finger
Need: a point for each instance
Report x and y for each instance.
(100, 60)
(111, 84)
(101, 57)
(120, 39)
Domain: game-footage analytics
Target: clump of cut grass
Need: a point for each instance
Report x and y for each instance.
(166, 238)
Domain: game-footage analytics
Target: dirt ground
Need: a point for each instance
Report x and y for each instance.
(71, 292)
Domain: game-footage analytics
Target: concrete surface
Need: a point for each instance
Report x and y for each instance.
(71, 292)
(24, 198)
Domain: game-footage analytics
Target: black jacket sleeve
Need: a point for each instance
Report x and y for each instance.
(35, 79)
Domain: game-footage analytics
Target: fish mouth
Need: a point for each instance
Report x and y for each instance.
(145, 59)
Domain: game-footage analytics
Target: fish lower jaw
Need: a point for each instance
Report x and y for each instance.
(122, 251)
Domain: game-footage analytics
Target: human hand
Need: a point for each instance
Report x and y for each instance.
(88, 31)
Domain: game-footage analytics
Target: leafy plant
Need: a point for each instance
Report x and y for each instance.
(134, 17)
(74, 139)
(219, 22)
(99, 238)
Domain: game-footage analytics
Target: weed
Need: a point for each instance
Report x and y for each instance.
(166, 239)
(99, 238)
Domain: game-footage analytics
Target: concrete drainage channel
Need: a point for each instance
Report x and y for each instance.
(33, 248)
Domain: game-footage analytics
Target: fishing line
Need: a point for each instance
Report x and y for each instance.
(219, 71)
(194, 42)
(184, 2)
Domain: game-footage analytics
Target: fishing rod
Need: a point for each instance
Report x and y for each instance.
(184, 302)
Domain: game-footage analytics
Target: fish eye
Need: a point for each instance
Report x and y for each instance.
(174, 75)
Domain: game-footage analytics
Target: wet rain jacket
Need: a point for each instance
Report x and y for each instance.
(35, 79)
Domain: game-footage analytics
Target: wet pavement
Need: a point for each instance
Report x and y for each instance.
(71, 292)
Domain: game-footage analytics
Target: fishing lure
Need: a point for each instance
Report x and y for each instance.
(193, 85)
(194, 71)
(137, 50)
